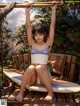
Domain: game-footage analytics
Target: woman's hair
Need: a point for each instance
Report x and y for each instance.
(41, 28)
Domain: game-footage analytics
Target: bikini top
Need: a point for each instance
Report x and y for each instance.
(39, 56)
(35, 51)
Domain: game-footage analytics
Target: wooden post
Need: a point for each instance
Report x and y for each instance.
(26, 61)
(15, 62)
(20, 62)
(72, 68)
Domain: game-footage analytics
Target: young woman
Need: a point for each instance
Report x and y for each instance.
(40, 45)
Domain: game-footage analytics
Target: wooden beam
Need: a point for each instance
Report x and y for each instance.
(36, 4)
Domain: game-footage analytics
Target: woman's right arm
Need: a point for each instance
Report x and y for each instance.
(29, 31)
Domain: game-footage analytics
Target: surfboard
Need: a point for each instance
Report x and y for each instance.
(60, 86)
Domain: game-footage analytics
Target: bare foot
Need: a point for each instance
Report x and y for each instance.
(49, 97)
(19, 97)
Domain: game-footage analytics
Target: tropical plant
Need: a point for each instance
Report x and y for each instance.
(4, 46)
(21, 36)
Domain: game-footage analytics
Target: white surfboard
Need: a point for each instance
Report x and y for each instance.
(57, 85)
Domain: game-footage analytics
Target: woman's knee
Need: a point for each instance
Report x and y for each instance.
(31, 68)
(39, 68)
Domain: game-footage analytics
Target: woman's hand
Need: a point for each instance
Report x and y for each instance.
(54, 6)
(29, 7)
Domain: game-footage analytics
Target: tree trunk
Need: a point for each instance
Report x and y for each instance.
(6, 10)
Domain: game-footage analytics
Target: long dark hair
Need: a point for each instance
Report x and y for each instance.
(41, 28)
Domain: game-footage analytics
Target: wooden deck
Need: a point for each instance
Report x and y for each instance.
(33, 98)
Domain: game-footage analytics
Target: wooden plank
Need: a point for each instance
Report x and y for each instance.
(61, 98)
(29, 96)
(13, 95)
(45, 104)
(43, 95)
(26, 61)
(15, 62)
(77, 97)
(72, 68)
(6, 92)
(68, 59)
(57, 100)
(37, 96)
(68, 98)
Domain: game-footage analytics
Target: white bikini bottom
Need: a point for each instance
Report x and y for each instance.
(38, 80)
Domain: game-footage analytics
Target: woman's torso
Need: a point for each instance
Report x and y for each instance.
(39, 54)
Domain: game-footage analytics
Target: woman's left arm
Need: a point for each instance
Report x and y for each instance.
(52, 25)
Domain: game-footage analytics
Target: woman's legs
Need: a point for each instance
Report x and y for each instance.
(29, 78)
(44, 77)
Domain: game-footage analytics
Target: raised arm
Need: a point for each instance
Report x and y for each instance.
(52, 26)
(29, 31)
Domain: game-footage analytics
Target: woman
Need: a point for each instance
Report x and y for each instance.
(40, 45)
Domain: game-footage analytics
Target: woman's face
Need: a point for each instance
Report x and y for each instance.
(39, 37)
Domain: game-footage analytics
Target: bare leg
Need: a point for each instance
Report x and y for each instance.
(29, 78)
(44, 77)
